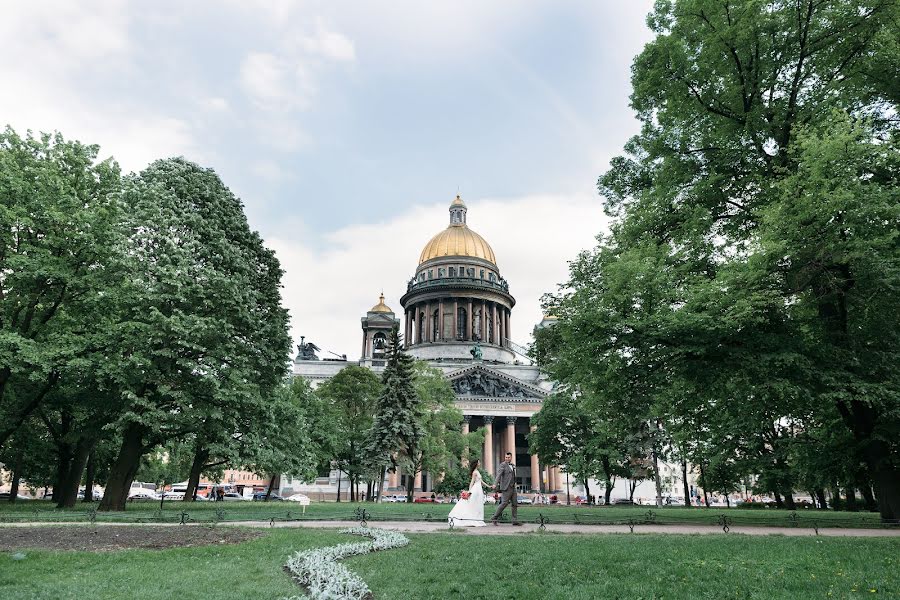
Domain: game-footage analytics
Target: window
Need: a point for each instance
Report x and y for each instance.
(435, 325)
(452, 272)
(440, 273)
(421, 331)
(461, 323)
(476, 324)
(482, 273)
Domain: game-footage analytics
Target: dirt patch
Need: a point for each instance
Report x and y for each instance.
(107, 538)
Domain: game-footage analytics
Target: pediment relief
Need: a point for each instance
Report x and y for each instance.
(479, 382)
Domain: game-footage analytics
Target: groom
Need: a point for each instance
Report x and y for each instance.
(506, 485)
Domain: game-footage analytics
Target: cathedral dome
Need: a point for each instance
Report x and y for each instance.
(458, 239)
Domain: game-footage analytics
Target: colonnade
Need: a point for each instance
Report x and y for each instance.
(504, 428)
(457, 319)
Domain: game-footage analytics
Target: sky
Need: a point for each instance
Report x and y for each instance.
(346, 128)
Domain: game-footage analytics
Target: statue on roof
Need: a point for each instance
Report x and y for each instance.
(307, 350)
(476, 352)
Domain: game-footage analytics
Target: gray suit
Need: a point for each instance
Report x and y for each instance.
(506, 485)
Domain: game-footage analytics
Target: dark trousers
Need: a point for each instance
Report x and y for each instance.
(508, 497)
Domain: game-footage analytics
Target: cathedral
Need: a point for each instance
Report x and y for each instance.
(456, 316)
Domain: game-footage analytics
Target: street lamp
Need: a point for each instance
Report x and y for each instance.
(568, 500)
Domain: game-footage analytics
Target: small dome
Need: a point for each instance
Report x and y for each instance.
(381, 307)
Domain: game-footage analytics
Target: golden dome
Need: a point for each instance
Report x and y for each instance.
(458, 239)
(381, 307)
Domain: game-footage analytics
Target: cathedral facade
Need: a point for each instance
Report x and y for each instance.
(456, 316)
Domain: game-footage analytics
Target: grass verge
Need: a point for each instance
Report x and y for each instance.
(461, 566)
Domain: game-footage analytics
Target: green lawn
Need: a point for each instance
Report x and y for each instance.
(457, 565)
(237, 511)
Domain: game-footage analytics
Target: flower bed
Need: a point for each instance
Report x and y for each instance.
(324, 578)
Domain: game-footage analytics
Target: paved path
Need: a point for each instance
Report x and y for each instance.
(507, 529)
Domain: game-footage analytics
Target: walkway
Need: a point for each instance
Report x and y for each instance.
(507, 529)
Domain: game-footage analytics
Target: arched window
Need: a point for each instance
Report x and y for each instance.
(461, 323)
(421, 331)
(379, 343)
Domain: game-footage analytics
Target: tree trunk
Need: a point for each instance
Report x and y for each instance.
(269, 488)
(778, 502)
(703, 484)
(201, 455)
(68, 495)
(14, 486)
(887, 490)
(820, 495)
(851, 500)
(789, 500)
(607, 479)
(339, 485)
(378, 483)
(864, 486)
(656, 478)
(587, 490)
(89, 475)
(687, 488)
(632, 485)
(836, 503)
(123, 469)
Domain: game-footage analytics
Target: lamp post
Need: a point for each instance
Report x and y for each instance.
(568, 500)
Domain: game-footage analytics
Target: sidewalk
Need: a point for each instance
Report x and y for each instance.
(507, 529)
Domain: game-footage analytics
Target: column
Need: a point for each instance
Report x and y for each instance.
(546, 472)
(392, 481)
(556, 478)
(511, 436)
(494, 315)
(465, 431)
(488, 454)
(363, 355)
(428, 326)
(442, 335)
(535, 469)
(407, 333)
(469, 322)
(508, 330)
(455, 319)
(484, 322)
(418, 483)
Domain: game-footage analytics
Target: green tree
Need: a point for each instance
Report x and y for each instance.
(442, 441)
(352, 393)
(203, 335)
(397, 426)
(59, 230)
(748, 265)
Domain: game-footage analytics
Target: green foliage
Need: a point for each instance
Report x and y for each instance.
(397, 428)
(351, 395)
(745, 299)
(59, 226)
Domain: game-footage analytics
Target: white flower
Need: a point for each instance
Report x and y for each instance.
(319, 572)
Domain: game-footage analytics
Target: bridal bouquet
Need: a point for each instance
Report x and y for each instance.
(465, 495)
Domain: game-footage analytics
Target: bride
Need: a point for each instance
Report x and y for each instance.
(469, 512)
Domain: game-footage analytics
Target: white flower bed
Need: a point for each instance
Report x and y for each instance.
(326, 579)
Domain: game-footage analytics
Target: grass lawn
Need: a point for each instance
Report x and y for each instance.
(237, 511)
(457, 565)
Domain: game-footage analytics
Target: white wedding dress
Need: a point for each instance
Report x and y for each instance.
(469, 512)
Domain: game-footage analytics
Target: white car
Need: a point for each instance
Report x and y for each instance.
(142, 494)
(489, 500)
(298, 498)
(393, 498)
(173, 496)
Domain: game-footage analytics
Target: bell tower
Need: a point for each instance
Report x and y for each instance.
(376, 326)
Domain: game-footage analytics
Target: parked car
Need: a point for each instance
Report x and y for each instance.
(176, 496)
(142, 494)
(423, 499)
(524, 500)
(298, 498)
(623, 502)
(262, 496)
(490, 500)
(394, 498)
(232, 497)
(6, 496)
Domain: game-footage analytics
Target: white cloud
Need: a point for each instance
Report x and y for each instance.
(276, 84)
(328, 290)
(328, 44)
